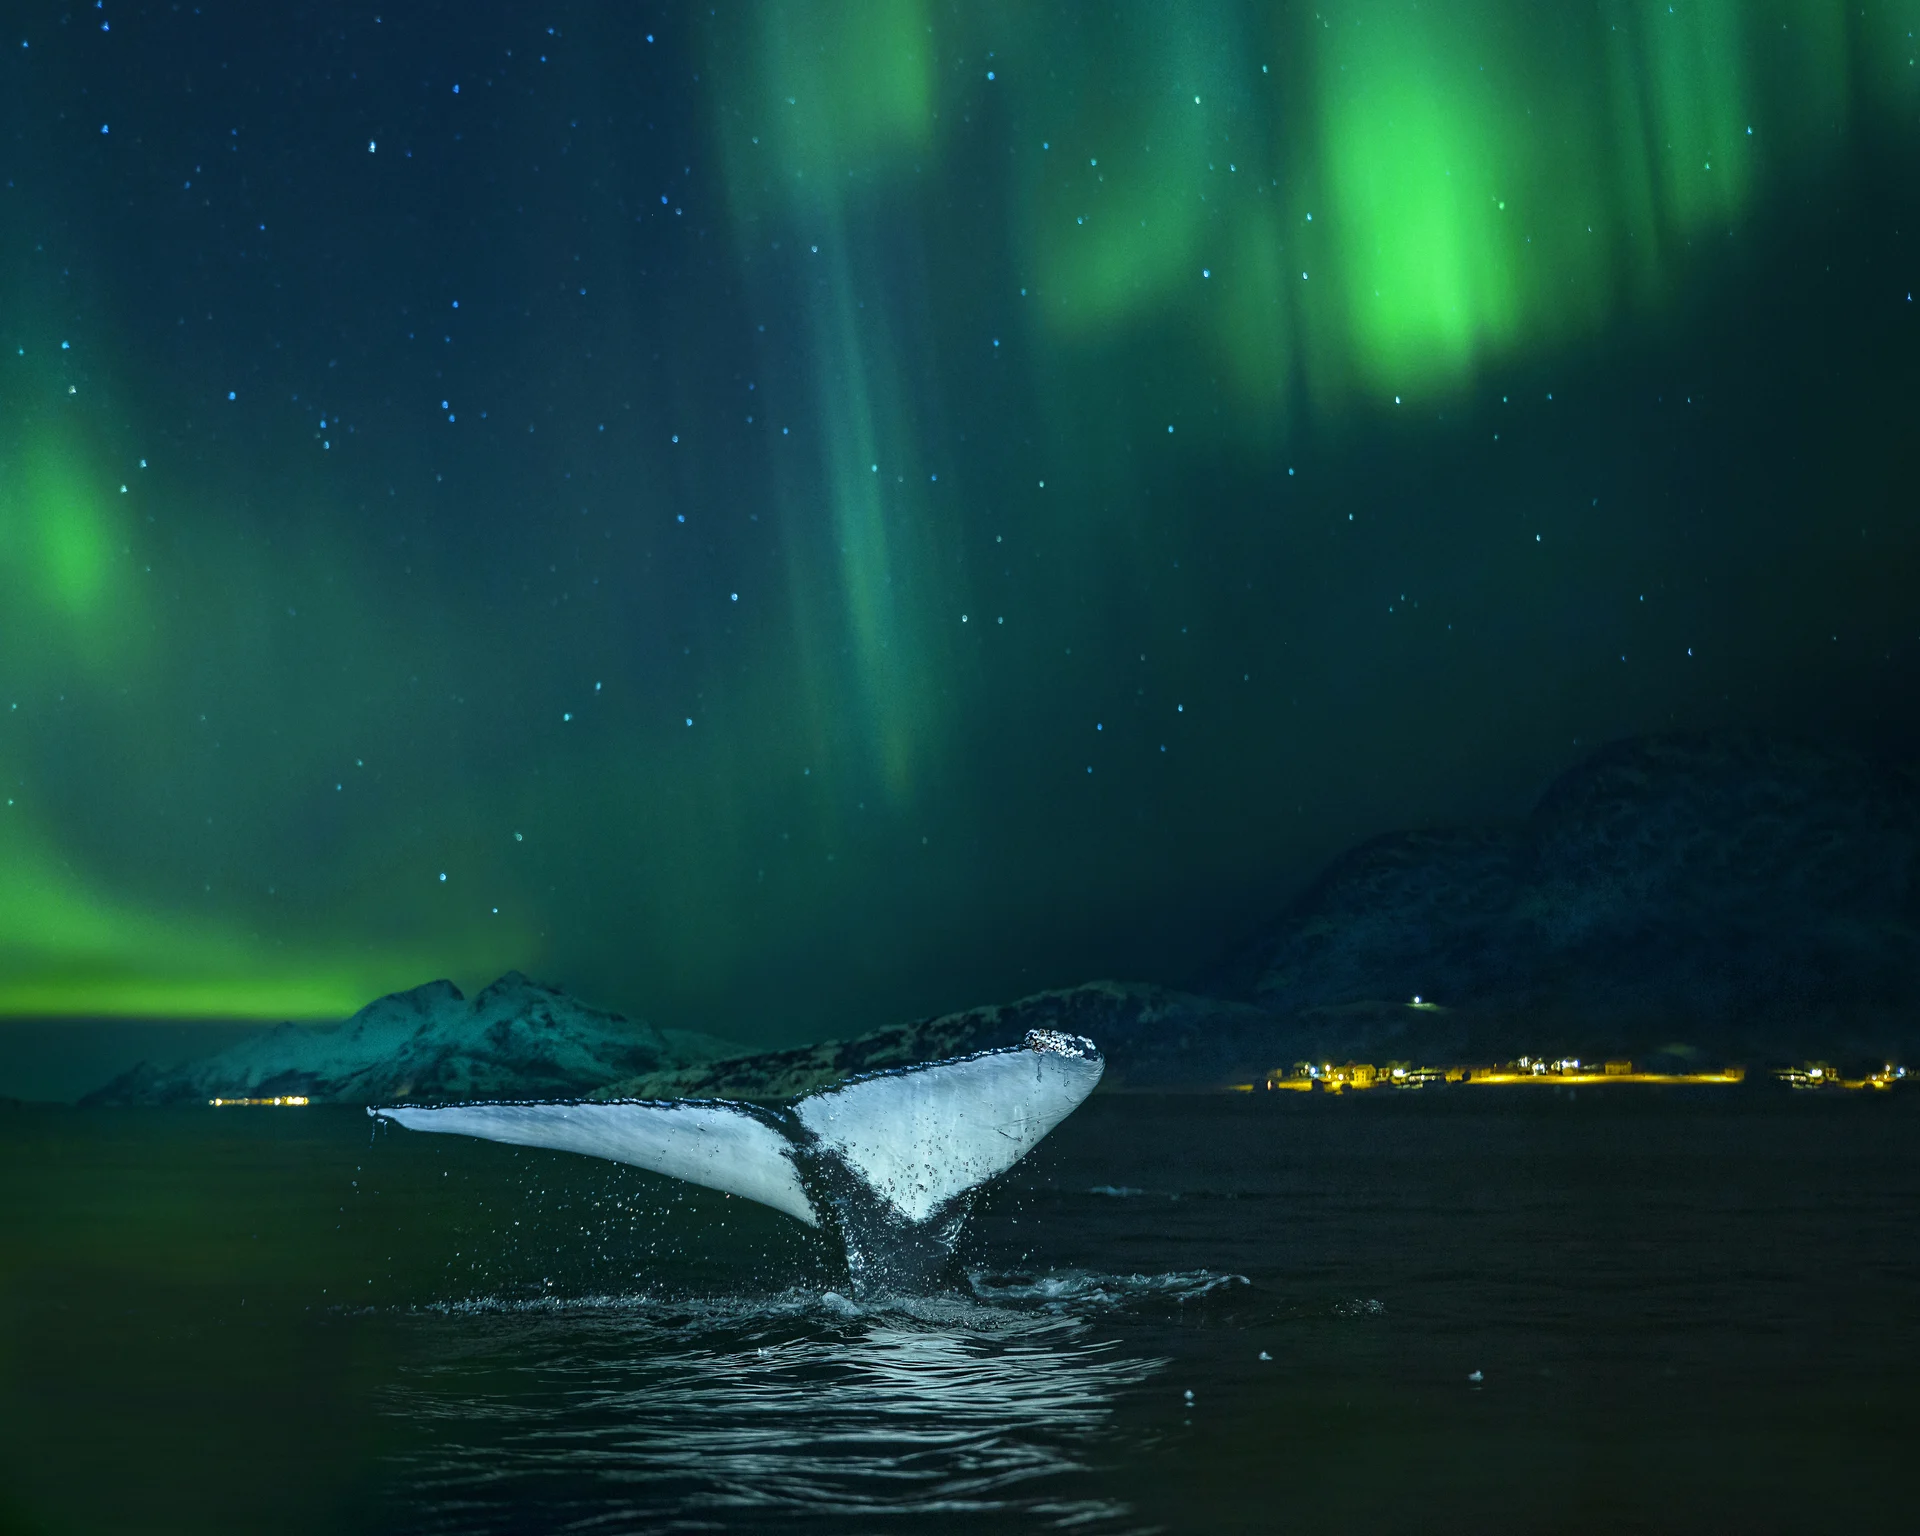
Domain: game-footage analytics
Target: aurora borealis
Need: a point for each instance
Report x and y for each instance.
(781, 517)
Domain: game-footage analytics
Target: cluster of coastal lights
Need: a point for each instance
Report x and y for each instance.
(1528, 1069)
(1820, 1074)
(1569, 1070)
(1564, 1069)
(284, 1101)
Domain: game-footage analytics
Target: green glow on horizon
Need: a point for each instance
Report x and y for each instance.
(68, 952)
(311, 999)
(92, 918)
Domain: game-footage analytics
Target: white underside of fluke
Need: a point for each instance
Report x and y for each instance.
(714, 1145)
(921, 1137)
(918, 1138)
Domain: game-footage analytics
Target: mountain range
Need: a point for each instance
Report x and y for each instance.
(1721, 897)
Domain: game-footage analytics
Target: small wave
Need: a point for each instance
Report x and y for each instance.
(1061, 1290)
(1360, 1306)
(989, 1305)
(670, 1313)
(476, 1306)
(1116, 1191)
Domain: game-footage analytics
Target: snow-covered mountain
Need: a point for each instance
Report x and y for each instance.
(517, 1039)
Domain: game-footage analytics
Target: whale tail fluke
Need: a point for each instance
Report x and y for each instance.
(910, 1142)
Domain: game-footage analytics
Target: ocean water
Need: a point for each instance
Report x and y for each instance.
(1612, 1310)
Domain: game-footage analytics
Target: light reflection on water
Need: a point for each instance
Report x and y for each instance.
(983, 1409)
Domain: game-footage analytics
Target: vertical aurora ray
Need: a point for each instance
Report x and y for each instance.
(879, 611)
(824, 110)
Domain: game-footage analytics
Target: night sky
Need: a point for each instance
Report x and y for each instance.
(780, 518)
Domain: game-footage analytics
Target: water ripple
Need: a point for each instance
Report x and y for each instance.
(985, 1409)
